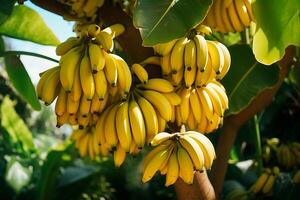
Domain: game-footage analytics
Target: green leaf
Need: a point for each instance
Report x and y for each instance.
(246, 78)
(278, 26)
(16, 175)
(21, 80)
(26, 24)
(6, 9)
(15, 126)
(161, 21)
(2, 45)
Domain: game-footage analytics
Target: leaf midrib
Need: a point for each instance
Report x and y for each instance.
(242, 79)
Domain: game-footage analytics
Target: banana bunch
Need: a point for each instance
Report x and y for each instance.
(202, 109)
(131, 123)
(230, 15)
(178, 155)
(194, 61)
(288, 155)
(265, 182)
(83, 9)
(88, 78)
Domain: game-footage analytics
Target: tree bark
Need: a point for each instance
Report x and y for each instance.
(233, 123)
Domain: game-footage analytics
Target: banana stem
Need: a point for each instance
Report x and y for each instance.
(258, 144)
(7, 53)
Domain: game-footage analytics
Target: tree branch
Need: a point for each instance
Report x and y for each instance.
(233, 123)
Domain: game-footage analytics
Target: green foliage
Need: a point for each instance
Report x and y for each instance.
(161, 21)
(278, 26)
(6, 9)
(246, 78)
(26, 24)
(21, 80)
(18, 132)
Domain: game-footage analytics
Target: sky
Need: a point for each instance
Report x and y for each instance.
(61, 28)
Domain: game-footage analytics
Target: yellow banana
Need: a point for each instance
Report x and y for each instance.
(64, 47)
(72, 106)
(68, 63)
(100, 84)
(160, 138)
(190, 63)
(206, 103)
(227, 61)
(105, 40)
(220, 26)
(95, 105)
(161, 122)
(93, 29)
(114, 30)
(110, 69)
(186, 168)
(165, 65)
(204, 77)
(185, 104)
(150, 118)
(153, 60)
(194, 151)
(164, 48)
(51, 88)
(123, 127)
(119, 156)
(178, 77)
(84, 107)
(61, 120)
(202, 126)
(173, 98)
(61, 102)
(96, 57)
(242, 12)
(140, 72)
(216, 56)
(177, 55)
(159, 85)
(216, 101)
(249, 9)
(269, 184)
(110, 130)
(44, 76)
(191, 122)
(137, 123)
(221, 93)
(261, 181)
(86, 78)
(91, 152)
(173, 169)
(195, 105)
(202, 52)
(234, 18)
(76, 88)
(83, 147)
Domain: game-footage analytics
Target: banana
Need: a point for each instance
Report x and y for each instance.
(226, 20)
(164, 49)
(61, 120)
(124, 78)
(137, 123)
(249, 9)
(72, 106)
(210, 18)
(64, 47)
(164, 166)
(61, 102)
(89, 9)
(119, 156)
(123, 127)
(140, 72)
(227, 3)
(105, 40)
(173, 169)
(191, 122)
(227, 61)
(193, 150)
(110, 130)
(206, 147)
(185, 104)
(100, 84)
(44, 76)
(195, 105)
(186, 168)
(220, 26)
(96, 57)
(234, 18)
(150, 118)
(173, 98)
(177, 55)
(100, 127)
(86, 78)
(103, 103)
(202, 126)
(214, 123)
(222, 94)
(160, 138)
(202, 52)
(190, 56)
(154, 164)
(259, 184)
(216, 101)
(84, 107)
(165, 65)
(178, 116)
(216, 56)
(206, 102)
(83, 121)
(114, 30)
(242, 12)
(159, 85)
(68, 63)
(204, 77)
(83, 146)
(269, 184)
(76, 88)
(203, 30)
(91, 152)
(153, 60)
(51, 88)
(72, 120)
(160, 102)
(110, 69)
